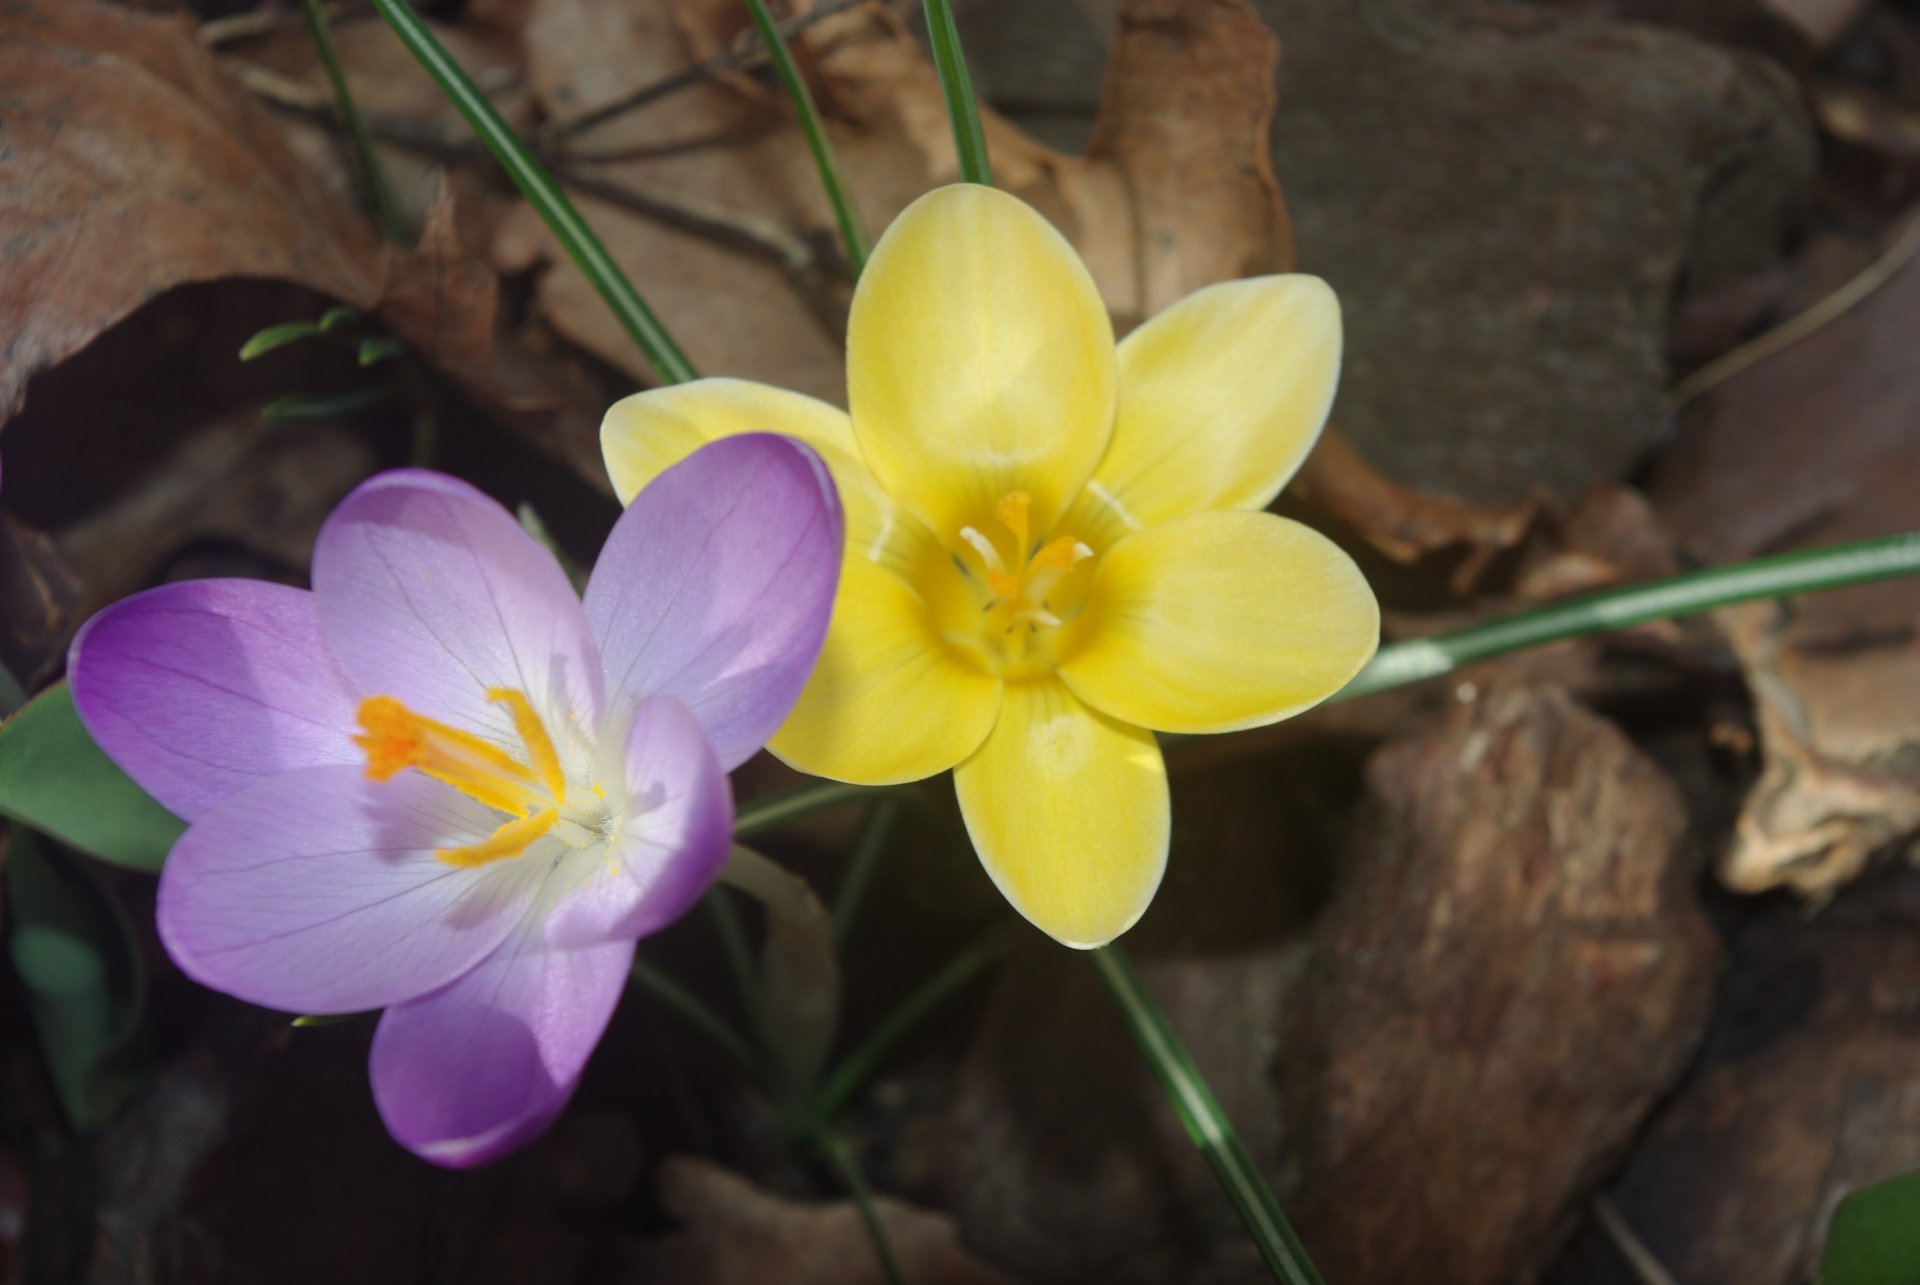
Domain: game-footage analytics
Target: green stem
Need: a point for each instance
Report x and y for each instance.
(702, 1018)
(841, 1156)
(776, 809)
(962, 109)
(1834, 567)
(1397, 664)
(858, 1066)
(861, 866)
(392, 222)
(572, 231)
(851, 233)
(1206, 1123)
(725, 917)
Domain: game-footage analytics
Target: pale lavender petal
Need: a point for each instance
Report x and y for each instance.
(201, 689)
(716, 585)
(470, 1072)
(318, 891)
(678, 832)
(430, 592)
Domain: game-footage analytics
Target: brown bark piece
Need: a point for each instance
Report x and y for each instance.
(1511, 973)
(128, 165)
(1813, 446)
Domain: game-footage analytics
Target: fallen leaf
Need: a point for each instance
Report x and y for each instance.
(1835, 676)
(736, 1234)
(132, 165)
(1177, 193)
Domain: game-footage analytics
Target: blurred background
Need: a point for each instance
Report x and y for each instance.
(1595, 965)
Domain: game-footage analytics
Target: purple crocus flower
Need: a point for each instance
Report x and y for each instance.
(443, 785)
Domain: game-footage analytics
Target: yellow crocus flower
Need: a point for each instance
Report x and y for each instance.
(1055, 545)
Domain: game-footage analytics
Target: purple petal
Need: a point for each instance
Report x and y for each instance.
(318, 891)
(430, 592)
(470, 1072)
(678, 832)
(199, 690)
(716, 585)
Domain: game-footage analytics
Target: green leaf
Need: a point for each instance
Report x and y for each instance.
(12, 694)
(1875, 1236)
(301, 407)
(338, 317)
(277, 336)
(379, 348)
(75, 956)
(54, 778)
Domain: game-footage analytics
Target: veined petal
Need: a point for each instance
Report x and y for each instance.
(318, 891)
(645, 434)
(1221, 397)
(716, 585)
(201, 689)
(889, 700)
(679, 829)
(1219, 621)
(1068, 811)
(979, 360)
(430, 592)
(466, 1074)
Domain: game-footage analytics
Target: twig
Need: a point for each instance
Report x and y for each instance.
(1638, 1257)
(745, 52)
(1794, 329)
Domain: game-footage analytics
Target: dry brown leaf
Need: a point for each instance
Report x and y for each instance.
(1155, 213)
(736, 1234)
(1835, 676)
(132, 165)
(1408, 525)
(38, 596)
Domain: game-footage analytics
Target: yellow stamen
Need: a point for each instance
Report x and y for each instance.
(533, 734)
(1012, 514)
(396, 738)
(510, 840)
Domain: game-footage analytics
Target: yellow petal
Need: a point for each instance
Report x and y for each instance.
(1221, 397)
(980, 360)
(1068, 810)
(889, 701)
(647, 433)
(1219, 621)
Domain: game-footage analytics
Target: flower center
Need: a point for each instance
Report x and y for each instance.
(533, 792)
(1016, 591)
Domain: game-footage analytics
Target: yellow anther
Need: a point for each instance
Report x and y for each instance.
(1004, 584)
(533, 734)
(1062, 554)
(395, 738)
(510, 840)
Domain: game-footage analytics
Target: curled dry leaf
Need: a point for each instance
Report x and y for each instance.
(1407, 524)
(1835, 676)
(133, 165)
(735, 1234)
(38, 596)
